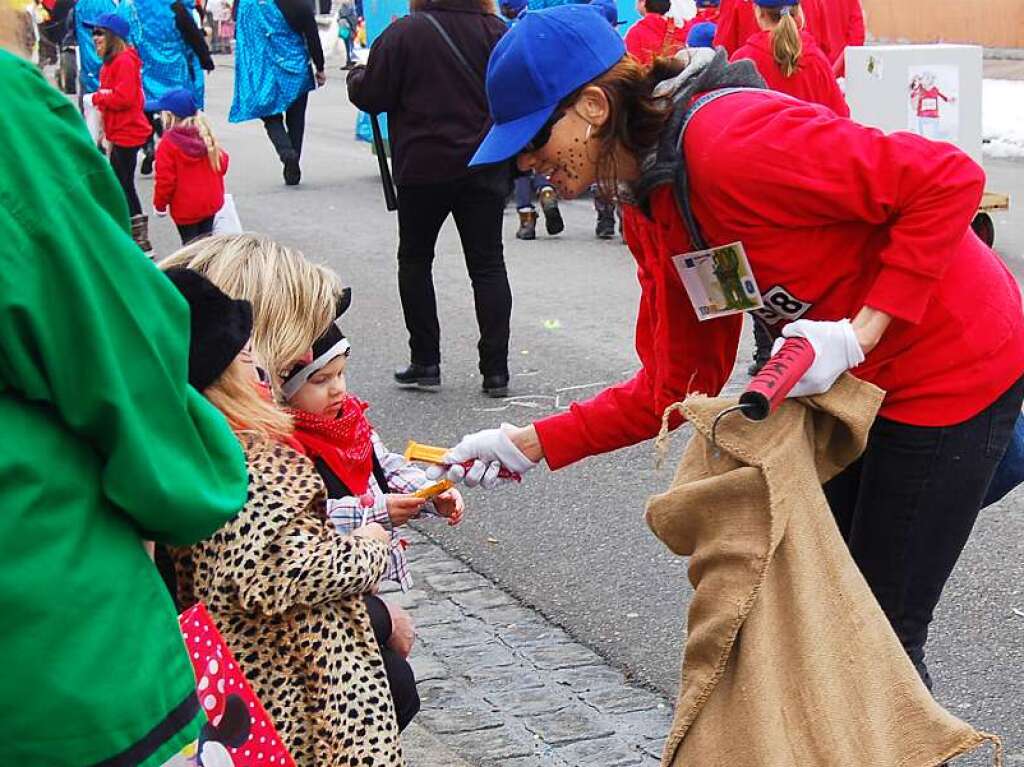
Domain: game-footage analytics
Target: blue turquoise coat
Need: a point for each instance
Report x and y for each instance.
(272, 66)
(89, 61)
(168, 62)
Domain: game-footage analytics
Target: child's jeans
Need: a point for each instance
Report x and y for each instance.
(526, 186)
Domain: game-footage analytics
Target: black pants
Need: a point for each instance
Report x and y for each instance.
(477, 211)
(286, 130)
(400, 676)
(907, 506)
(189, 232)
(122, 160)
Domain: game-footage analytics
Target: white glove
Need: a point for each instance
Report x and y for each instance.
(160, 213)
(490, 450)
(836, 350)
(87, 100)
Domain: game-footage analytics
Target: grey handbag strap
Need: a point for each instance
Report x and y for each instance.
(454, 49)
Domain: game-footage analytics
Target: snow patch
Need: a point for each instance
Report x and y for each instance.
(1002, 118)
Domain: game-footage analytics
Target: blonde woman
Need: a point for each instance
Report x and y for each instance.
(190, 167)
(284, 588)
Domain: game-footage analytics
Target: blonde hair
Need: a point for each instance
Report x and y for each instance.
(293, 300)
(202, 127)
(237, 395)
(785, 24)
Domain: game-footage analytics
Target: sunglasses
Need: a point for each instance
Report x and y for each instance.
(543, 136)
(97, 32)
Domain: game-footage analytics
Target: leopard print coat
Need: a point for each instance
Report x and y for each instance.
(285, 591)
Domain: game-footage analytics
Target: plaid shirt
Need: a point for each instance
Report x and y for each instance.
(349, 513)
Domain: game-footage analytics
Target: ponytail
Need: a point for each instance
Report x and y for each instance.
(202, 126)
(787, 47)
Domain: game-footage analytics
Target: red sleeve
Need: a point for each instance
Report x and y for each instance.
(819, 25)
(121, 93)
(856, 33)
(831, 94)
(727, 31)
(680, 355)
(224, 160)
(165, 177)
(830, 170)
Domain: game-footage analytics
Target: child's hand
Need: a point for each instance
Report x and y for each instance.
(402, 507)
(449, 504)
(403, 633)
(373, 531)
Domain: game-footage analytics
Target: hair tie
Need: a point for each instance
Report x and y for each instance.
(786, 10)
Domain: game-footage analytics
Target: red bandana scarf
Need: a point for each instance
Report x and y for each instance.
(343, 442)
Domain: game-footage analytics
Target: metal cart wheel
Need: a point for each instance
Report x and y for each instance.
(984, 228)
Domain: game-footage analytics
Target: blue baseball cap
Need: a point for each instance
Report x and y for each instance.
(178, 102)
(776, 3)
(708, 3)
(546, 56)
(515, 6)
(701, 35)
(116, 24)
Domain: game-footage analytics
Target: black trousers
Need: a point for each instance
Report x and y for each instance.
(907, 506)
(286, 130)
(401, 679)
(477, 210)
(122, 160)
(189, 232)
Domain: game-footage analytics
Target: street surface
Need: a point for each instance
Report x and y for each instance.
(573, 545)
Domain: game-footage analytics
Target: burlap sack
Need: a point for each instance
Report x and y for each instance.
(789, 660)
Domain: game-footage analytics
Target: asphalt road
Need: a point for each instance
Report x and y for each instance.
(573, 544)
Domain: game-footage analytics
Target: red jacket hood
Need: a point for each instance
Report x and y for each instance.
(188, 140)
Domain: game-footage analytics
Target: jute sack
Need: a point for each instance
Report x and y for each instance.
(789, 660)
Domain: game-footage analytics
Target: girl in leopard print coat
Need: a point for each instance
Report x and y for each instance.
(285, 591)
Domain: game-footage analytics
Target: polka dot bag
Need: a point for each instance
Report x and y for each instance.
(240, 732)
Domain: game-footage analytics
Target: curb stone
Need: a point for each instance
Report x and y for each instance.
(500, 685)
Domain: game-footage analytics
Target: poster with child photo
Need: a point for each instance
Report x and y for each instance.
(932, 107)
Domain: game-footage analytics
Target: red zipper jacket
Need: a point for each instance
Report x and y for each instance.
(650, 37)
(834, 216)
(120, 100)
(185, 180)
(813, 80)
(737, 24)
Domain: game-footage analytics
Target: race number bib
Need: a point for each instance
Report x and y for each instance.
(781, 306)
(719, 281)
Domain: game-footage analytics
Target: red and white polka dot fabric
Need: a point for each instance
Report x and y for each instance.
(218, 676)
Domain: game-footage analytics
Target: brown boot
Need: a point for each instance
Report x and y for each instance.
(140, 233)
(527, 225)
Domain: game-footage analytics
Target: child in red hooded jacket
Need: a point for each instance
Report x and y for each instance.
(190, 167)
(120, 100)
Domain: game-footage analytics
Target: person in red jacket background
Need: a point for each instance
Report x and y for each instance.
(859, 241)
(737, 23)
(789, 59)
(707, 13)
(654, 34)
(120, 101)
(846, 23)
(190, 167)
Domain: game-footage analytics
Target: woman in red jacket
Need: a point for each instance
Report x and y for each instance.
(788, 57)
(655, 34)
(120, 101)
(190, 167)
(859, 241)
(737, 23)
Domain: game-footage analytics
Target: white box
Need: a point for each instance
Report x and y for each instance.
(932, 90)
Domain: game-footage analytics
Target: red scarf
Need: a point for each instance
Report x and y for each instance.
(343, 442)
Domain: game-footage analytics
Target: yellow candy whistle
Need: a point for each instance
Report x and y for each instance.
(437, 488)
(416, 451)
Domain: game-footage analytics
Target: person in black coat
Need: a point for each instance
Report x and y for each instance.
(437, 115)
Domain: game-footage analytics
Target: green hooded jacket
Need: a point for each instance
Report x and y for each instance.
(104, 444)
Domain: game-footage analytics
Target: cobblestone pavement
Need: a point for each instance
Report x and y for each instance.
(499, 685)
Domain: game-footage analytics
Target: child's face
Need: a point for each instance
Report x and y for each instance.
(325, 391)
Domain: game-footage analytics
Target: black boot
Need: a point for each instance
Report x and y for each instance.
(495, 385)
(292, 172)
(527, 225)
(419, 376)
(605, 225)
(552, 215)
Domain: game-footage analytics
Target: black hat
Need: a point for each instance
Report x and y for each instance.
(328, 346)
(220, 326)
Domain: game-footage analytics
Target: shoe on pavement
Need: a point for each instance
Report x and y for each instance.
(552, 215)
(147, 162)
(292, 172)
(605, 227)
(419, 376)
(140, 233)
(495, 385)
(527, 225)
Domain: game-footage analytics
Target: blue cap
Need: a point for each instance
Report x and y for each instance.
(609, 9)
(546, 56)
(178, 102)
(708, 3)
(701, 35)
(116, 24)
(776, 3)
(515, 6)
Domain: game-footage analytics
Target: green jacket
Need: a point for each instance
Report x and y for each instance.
(104, 443)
